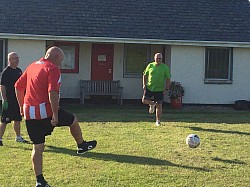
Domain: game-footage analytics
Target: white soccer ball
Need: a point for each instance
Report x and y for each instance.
(193, 140)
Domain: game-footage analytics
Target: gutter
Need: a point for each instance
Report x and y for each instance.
(125, 40)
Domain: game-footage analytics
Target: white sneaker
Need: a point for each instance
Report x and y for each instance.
(151, 109)
(157, 123)
(20, 139)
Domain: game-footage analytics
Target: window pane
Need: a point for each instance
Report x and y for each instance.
(218, 63)
(1, 55)
(70, 64)
(136, 58)
(69, 57)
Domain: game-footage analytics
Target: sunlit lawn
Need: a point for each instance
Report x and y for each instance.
(132, 151)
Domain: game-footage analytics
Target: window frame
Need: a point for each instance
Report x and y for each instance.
(229, 78)
(76, 59)
(4, 51)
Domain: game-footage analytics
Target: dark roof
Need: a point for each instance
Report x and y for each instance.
(195, 20)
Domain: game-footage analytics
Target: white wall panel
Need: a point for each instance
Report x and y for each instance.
(28, 51)
(188, 66)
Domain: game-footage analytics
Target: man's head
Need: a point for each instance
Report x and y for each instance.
(13, 59)
(55, 55)
(158, 58)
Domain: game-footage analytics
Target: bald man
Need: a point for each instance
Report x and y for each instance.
(155, 83)
(40, 107)
(10, 108)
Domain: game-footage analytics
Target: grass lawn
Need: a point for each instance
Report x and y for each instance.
(132, 151)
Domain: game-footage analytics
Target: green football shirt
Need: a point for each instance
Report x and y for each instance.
(157, 75)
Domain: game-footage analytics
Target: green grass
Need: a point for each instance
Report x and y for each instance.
(132, 151)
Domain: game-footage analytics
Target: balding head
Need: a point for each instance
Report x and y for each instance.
(13, 59)
(158, 58)
(12, 55)
(55, 55)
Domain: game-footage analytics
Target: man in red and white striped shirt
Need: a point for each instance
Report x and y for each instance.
(40, 107)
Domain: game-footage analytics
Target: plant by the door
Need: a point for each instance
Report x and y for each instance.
(176, 92)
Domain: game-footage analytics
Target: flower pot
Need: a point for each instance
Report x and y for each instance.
(176, 103)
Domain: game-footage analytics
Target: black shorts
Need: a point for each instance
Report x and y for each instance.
(12, 114)
(38, 129)
(155, 96)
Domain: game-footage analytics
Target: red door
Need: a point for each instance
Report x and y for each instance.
(102, 62)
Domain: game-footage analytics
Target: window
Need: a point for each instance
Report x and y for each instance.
(136, 58)
(2, 55)
(218, 65)
(70, 64)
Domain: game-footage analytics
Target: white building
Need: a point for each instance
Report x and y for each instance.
(206, 45)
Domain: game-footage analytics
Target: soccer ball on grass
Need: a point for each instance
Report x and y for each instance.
(193, 140)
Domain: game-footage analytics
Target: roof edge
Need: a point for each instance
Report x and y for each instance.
(124, 40)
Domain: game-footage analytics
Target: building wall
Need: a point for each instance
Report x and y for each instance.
(28, 50)
(132, 87)
(70, 81)
(188, 67)
(32, 50)
(241, 74)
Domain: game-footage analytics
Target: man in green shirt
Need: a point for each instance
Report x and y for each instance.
(156, 82)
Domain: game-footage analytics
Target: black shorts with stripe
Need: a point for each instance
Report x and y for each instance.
(38, 129)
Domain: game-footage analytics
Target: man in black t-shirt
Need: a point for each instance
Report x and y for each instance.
(10, 107)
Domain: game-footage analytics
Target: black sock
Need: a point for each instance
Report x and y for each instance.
(40, 178)
(79, 145)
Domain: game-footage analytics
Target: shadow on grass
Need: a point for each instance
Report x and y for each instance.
(130, 159)
(218, 131)
(235, 161)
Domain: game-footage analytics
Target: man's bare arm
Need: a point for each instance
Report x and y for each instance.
(54, 102)
(20, 99)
